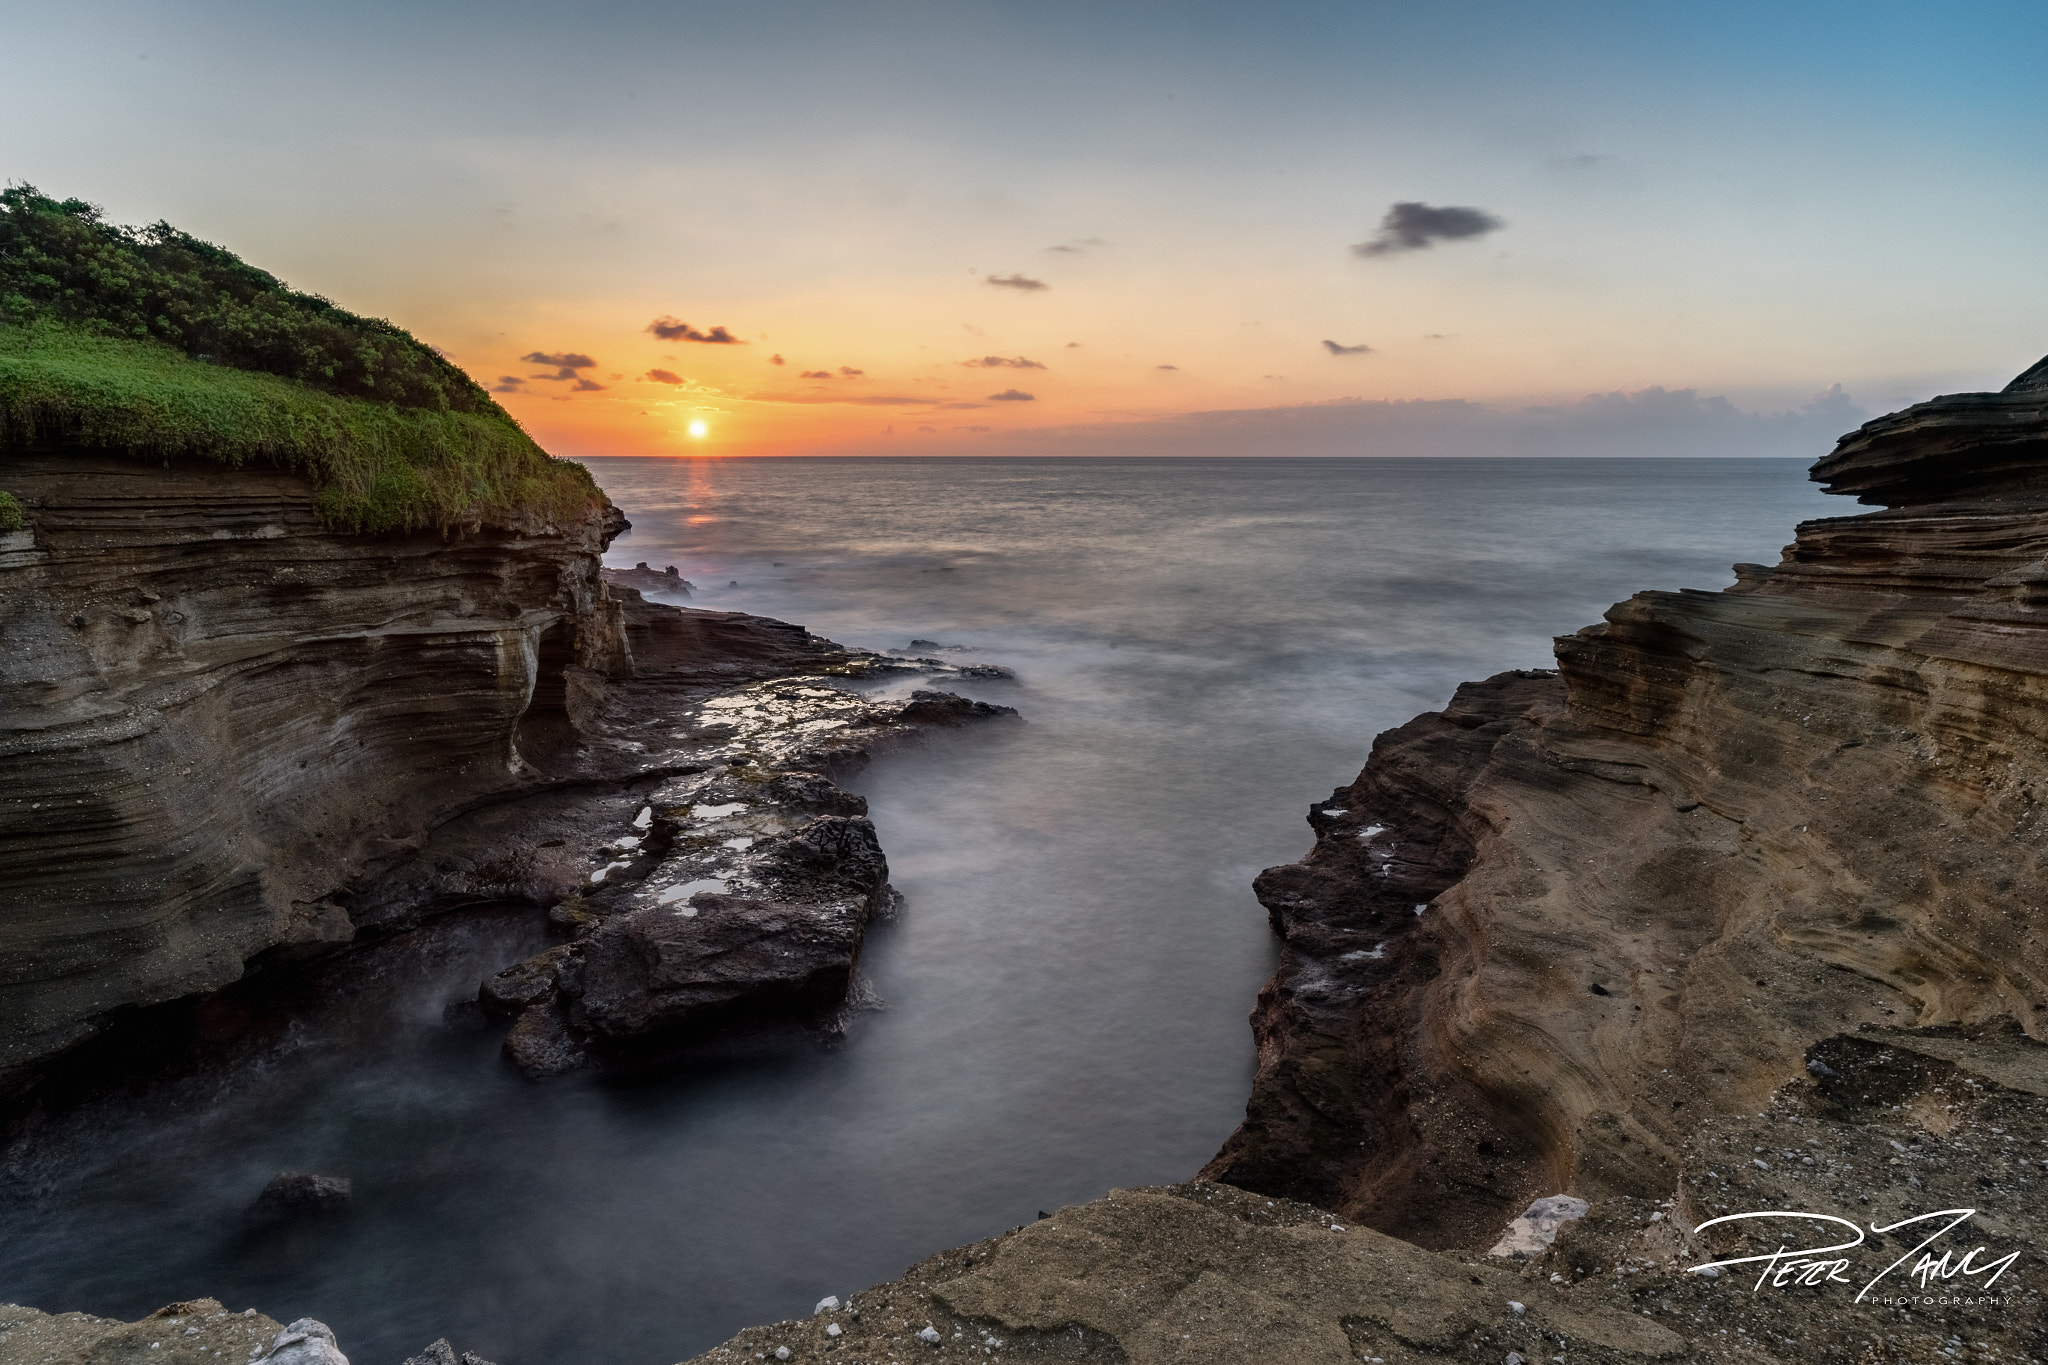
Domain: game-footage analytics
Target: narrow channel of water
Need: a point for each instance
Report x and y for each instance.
(1204, 647)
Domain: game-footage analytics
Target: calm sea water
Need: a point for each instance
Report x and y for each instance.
(1203, 649)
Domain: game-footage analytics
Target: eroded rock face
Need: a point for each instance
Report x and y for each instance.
(234, 736)
(739, 892)
(1554, 928)
(215, 712)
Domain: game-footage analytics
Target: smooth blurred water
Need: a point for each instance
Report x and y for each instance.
(1204, 647)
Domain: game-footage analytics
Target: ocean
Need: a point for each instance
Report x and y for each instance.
(1203, 648)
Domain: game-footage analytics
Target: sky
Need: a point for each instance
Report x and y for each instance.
(1103, 228)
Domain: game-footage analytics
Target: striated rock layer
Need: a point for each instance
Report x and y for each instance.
(235, 736)
(1554, 929)
(214, 711)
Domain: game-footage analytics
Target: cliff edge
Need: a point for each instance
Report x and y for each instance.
(1554, 928)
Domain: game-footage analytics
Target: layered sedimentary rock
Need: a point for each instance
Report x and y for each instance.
(1553, 930)
(1738, 909)
(1884, 1126)
(215, 711)
(233, 734)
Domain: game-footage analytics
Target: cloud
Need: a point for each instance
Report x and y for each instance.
(1073, 346)
(1021, 282)
(664, 376)
(851, 372)
(1334, 349)
(1012, 396)
(815, 374)
(673, 329)
(1654, 421)
(586, 386)
(508, 383)
(567, 360)
(1411, 226)
(1002, 362)
(1077, 246)
(777, 359)
(1166, 367)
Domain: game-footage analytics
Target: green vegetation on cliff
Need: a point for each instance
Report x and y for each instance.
(151, 341)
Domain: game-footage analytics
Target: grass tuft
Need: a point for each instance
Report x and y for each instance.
(151, 341)
(377, 466)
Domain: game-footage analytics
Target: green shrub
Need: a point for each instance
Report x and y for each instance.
(59, 261)
(151, 341)
(12, 517)
(377, 466)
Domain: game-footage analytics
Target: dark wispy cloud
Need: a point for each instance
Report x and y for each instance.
(777, 359)
(1166, 367)
(1336, 349)
(1013, 396)
(1078, 246)
(815, 374)
(586, 386)
(674, 329)
(1411, 226)
(508, 383)
(1002, 362)
(851, 372)
(1646, 422)
(566, 363)
(664, 376)
(1021, 282)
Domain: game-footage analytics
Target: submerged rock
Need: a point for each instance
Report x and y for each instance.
(302, 1194)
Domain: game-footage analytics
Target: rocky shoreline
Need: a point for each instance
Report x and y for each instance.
(1734, 911)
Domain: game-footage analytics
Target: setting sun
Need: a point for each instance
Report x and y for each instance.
(697, 430)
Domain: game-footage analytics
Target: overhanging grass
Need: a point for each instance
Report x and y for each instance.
(376, 467)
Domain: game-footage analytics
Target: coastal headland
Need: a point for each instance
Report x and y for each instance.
(1733, 913)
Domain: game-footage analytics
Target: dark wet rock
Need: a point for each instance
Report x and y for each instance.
(523, 983)
(541, 1045)
(302, 1194)
(641, 578)
(671, 968)
(943, 708)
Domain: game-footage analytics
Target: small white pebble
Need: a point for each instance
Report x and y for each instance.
(1556, 1278)
(1657, 1217)
(1336, 1227)
(826, 1305)
(782, 1353)
(929, 1335)
(831, 1329)
(1517, 1308)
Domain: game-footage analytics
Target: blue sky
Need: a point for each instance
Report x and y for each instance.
(1749, 201)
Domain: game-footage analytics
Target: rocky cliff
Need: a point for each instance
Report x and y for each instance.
(1737, 909)
(1553, 929)
(235, 736)
(217, 712)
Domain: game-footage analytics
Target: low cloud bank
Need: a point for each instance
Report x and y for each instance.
(1649, 422)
